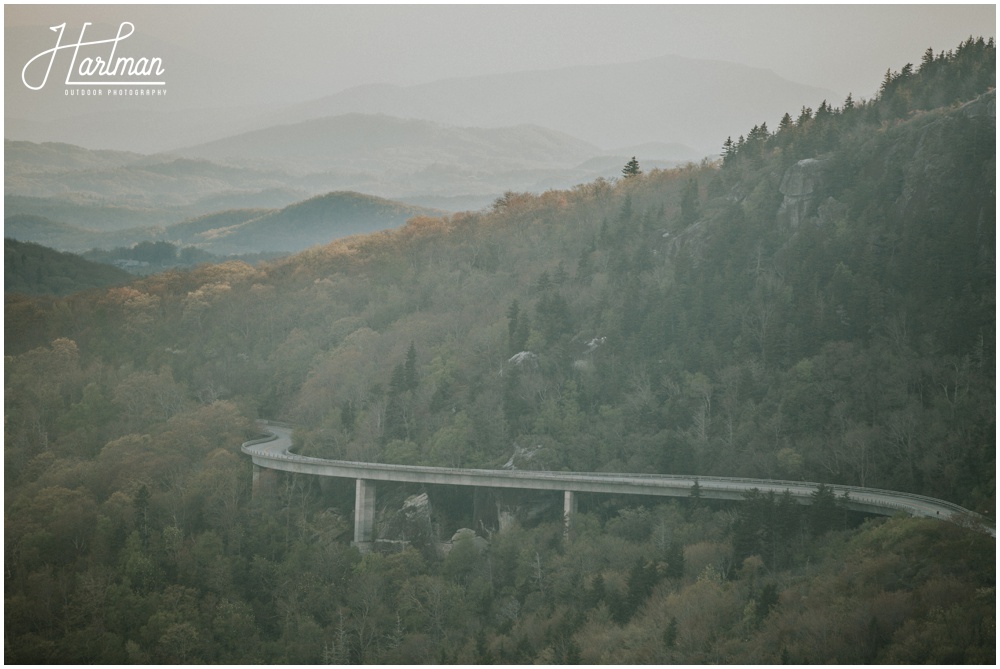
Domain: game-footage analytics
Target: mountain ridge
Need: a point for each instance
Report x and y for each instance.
(317, 220)
(294, 227)
(391, 157)
(574, 92)
(336, 141)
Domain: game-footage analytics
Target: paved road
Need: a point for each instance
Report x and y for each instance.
(273, 452)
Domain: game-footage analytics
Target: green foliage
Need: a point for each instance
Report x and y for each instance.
(631, 168)
(36, 270)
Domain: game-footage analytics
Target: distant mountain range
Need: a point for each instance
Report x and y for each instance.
(357, 142)
(454, 144)
(667, 99)
(318, 220)
(419, 162)
(671, 99)
(166, 183)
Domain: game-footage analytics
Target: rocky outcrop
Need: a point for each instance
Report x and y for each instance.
(521, 456)
(524, 358)
(465, 534)
(800, 186)
(411, 523)
(984, 105)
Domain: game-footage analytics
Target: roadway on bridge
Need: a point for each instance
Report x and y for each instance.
(274, 452)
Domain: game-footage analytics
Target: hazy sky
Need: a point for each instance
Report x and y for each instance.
(316, 50)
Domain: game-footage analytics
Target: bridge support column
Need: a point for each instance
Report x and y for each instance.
(569, 508)
(263, 480)
(364, 514)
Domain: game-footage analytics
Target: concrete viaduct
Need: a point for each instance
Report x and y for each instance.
(272, 452)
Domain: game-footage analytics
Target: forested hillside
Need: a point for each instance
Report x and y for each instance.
(818, 305)
(298, 226)
(36, 270)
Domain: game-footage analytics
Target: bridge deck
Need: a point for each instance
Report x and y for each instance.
(273, 452)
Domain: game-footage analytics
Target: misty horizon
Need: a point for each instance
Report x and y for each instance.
(230, 69)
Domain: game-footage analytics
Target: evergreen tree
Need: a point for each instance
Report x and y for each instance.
(690, 203)
(572, 652)
(597, 590)
(141, 503)
(675, 560)
(670, 633)
(767, 600)
(513, 314)
(641, 580)
(695, 494)
(483, 653)
(823, 510)
(631, 168)
(410, 379)
(348, 415)
(396, 423)
(728, 150)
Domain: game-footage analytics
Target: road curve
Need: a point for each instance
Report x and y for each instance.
(273, 452)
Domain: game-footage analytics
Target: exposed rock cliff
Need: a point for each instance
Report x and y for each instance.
(411, 523)
(800, 186)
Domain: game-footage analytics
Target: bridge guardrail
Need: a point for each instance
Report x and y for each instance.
(854, 493)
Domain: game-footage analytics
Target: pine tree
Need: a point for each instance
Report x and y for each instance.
(572, 652)
(728, 150)
(597, 590)
(767, 600)
(675, 560)
(513, 314)
(348, 415)
(823, 511)
(483, 653)
(141, 503)
(410, 379)
(695, 493)
(631, 168)
(690, 203)
(670, 633)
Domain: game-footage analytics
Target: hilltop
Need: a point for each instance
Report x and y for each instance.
(312, 222)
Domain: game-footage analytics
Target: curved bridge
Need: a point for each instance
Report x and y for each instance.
(273, 452)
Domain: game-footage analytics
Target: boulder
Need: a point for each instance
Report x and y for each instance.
(411, 523)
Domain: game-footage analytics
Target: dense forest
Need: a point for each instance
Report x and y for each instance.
(818, 304)
(34, 269)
